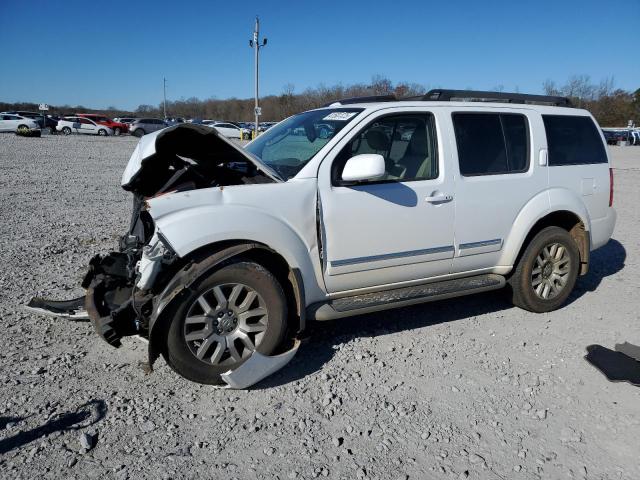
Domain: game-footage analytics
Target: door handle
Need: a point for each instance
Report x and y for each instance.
(439, 198)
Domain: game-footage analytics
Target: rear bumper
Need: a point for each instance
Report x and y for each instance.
(602, 229)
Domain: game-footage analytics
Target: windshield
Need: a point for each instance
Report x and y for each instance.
(288, 146)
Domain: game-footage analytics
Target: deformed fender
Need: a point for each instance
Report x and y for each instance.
(181, 283)
(537, 208)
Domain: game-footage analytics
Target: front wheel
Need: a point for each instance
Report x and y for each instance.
(223, 319)
(117, 131)
(139, 133)
(547, 271)
(102, 132)
(66, 131)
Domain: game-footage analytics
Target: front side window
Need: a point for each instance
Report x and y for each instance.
(491, 143)
(573, 140)
(407, 142)
(288, 146)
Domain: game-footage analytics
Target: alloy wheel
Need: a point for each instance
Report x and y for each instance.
(550, 271)
(224, 325)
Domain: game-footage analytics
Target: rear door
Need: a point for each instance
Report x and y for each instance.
(497, 176)
(86, 126)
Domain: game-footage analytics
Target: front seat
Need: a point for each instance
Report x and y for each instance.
(379, 142)
(416, 160)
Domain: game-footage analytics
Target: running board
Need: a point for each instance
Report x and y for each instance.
(399, 297)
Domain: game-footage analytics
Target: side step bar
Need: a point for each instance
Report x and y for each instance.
(398, 297)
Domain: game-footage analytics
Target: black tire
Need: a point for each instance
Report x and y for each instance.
(528, 287)
(139, 132)
(117, 131)
(180, 355)
(66, 130)
(102, 132)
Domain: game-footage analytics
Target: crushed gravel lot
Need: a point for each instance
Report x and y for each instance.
(465, 388)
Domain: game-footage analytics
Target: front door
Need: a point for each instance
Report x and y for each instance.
(397, 228)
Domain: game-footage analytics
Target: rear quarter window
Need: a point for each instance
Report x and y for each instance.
(573, 140)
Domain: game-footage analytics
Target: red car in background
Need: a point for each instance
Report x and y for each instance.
(117, 127)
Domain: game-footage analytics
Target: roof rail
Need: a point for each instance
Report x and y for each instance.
(482, 96)
(369, 99)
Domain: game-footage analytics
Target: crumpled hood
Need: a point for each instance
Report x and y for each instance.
(158, 155)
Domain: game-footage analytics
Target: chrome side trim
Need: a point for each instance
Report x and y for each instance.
(484, 243)
(389, 256)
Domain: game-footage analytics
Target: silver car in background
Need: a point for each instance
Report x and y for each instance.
(142, 126)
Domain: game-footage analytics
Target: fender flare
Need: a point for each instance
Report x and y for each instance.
(181, 284)
(536, 209)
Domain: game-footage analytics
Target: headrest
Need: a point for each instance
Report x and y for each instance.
(377, 140)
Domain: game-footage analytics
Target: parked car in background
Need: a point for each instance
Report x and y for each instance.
(43, 122)
(229, 130)
(173, 121)
(11, 122)
(117, 127)
(142, 126)
(82, 125)
(610, 137)
(635, 137)
(264, 126)
(126, 120)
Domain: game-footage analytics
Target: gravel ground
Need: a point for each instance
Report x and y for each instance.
(465, 388)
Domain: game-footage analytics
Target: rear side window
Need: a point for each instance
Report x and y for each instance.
(491, 143)
(573, 140)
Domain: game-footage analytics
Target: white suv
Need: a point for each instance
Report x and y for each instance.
(231, 251)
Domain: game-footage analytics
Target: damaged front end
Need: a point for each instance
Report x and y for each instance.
(127, 289)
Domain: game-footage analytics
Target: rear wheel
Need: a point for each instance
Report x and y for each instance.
(102, 132)
(117, 131)
(66, 131)
(546, 272)
(223, 320)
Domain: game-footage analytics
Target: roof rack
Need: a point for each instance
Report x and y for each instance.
(482, 96)
(369, 99)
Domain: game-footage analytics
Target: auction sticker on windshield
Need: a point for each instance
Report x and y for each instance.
(340, 116)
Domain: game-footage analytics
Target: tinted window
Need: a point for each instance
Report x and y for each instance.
(573, 140)
(491, 143)
(407, 143)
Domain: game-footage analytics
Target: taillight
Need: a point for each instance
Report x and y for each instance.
(611, 187)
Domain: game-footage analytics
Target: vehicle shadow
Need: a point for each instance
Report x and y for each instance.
(323, 337)
(84, 416)
(604, 262)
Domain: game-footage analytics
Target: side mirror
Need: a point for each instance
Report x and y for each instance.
(367, 166)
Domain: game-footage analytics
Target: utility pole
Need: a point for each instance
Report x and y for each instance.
(256, 45)
(164, 105)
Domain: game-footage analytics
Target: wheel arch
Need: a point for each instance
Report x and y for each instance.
(211, 257)
(559, 207)
(567, 220)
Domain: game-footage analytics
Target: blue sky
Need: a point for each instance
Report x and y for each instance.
(102, 53)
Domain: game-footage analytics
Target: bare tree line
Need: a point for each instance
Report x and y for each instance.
(611, 106)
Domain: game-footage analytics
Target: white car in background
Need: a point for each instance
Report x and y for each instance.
(69, 125)
(10, 122)
(229, 130)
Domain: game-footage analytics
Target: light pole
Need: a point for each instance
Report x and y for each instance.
(164, 105)
(256, 45)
